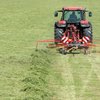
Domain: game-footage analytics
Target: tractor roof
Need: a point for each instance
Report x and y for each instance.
(74, 8)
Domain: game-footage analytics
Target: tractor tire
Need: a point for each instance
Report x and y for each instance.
(62, 51)
(58, 35)
(88, 32)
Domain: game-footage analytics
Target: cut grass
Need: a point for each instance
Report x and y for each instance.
(41, 77)
(36, 83)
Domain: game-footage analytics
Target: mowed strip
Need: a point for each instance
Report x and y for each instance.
(94, 75)
(85, 76)
(95, 64)
(66, 91)
(80, 74)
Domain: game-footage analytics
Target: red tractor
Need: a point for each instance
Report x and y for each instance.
(73, 30)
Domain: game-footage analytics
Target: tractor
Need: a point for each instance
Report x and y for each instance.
(73, 31)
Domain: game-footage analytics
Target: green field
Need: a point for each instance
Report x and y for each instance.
(44, 75)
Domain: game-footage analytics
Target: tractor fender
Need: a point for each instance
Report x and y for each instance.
(60, 24)
(84, 24)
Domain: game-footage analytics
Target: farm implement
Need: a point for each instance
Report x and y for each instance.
(73, 31)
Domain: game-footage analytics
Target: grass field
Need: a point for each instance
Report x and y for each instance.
(44, 75)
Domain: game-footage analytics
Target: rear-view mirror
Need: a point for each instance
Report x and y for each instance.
(56, 14)
(90, 14)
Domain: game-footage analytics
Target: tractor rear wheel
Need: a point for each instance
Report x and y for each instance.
(58, 35)
(88, 33)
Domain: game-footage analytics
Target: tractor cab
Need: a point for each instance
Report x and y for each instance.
(73, 14)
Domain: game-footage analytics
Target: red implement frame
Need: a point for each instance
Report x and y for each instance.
(73, 40)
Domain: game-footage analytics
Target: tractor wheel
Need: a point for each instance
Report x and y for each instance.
(58, 35)
(88, 32)
(62, 51)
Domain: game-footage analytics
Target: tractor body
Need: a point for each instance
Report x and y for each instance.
(73, 30)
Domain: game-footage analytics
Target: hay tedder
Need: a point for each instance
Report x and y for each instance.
(73, 31)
